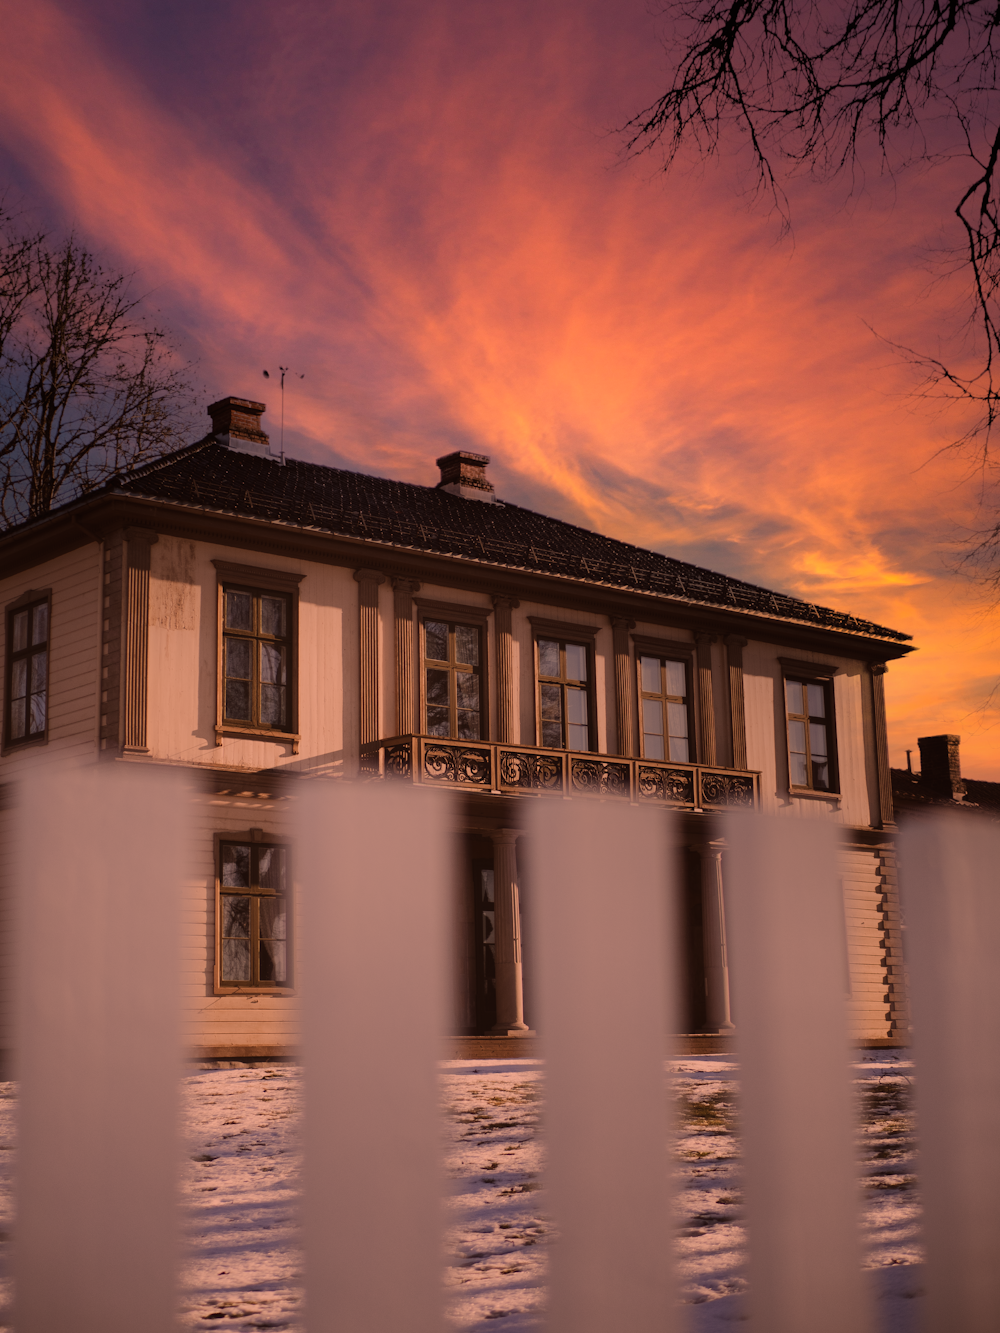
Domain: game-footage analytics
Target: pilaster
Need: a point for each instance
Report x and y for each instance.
(886, 813)
(135, 700)
(737, 708)
(402, 595)
(507, 726)
(625, 686)
(368, 585)
(706, 705)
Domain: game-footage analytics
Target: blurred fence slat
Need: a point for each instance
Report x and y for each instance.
(950, 882)
(373, 870)
(602, 881)
(97, 1050)
(786, 954)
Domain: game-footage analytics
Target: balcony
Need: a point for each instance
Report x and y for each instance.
(523, 770)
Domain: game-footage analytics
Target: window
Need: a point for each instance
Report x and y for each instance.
(27, 671)
(663, 699)
(807, 707)
(452, 682)
(255, 654)
(563, 694)
(253, 935)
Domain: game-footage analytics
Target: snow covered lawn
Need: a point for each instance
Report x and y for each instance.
(242, 1178)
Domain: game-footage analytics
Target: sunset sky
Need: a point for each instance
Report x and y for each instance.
(423, 207)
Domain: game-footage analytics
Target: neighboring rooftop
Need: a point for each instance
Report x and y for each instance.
(232, 471)
(940, 784)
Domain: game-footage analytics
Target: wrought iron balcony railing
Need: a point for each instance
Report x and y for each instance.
(511, 770)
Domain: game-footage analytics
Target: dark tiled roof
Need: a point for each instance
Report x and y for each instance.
(212, 477)
(910, 792)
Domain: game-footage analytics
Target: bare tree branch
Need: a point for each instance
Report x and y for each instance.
(88, 386)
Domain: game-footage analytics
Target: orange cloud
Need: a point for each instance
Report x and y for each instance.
(423, 212)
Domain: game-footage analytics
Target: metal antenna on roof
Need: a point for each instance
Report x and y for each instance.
(284, 371)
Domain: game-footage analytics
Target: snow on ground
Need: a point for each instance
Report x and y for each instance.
(242, 1176)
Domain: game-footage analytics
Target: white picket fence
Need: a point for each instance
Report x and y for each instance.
(98, 1050)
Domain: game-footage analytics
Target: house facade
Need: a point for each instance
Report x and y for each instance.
(261, 622)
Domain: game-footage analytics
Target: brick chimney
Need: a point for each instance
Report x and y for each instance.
(940, 768)
(464, 474)
(236, 425)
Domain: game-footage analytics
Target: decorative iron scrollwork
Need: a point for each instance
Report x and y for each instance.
(530, 772)
(445, 763)
(726, 789)
(598, 778)
(398, 761)
(666, 784)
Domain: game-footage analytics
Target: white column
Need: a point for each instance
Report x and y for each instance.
(507, 924)
(713, 921)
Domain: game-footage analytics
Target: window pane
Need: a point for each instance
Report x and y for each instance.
(797, 737)
(272, 918)
(817, 740)
(548, 658)
(652, 718)
(272, 705)
(576, 707)
(468, 724)
(680, 751)
(272, 616)
(486, 884)
(793, 696)
(39, 662)
(235, 960)
(797, 770)
(271, 868)
(677, 720)
(18, 713)
(468, 689)
(19, 678)
(579, 738)
(488, 927)
(235, 917)
(817, 700)
(551, 696)
(576, 662)
(20, 631)
(652, 745)
(677, 680)
(236, 865)
(40, 623)
(821, 775)
(238, 610)
(238, 658)
(437, 687)
(552, 734)
(438, 722)
(37, 713)
(650, 667)
(467, 644)
(436, 640)
(272, 664)
(272, 962)
(238, 700)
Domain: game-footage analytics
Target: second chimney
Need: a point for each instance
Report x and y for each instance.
(940, 767)
(464, 474)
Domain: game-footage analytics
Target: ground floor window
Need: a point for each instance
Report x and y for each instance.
(253, 933)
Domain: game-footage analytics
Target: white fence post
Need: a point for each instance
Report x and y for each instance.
(951, 904)
(785, 917)
(97, 982)
(373, 869)
(601, 884)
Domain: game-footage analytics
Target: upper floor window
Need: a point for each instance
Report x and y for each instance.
(663, 689)
(255, 648)
(27, 685)
(452, 680)
(252, 915)
(809, 717)
(563, 694)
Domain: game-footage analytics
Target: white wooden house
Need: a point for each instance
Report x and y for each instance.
(262, 622)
